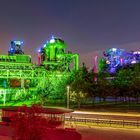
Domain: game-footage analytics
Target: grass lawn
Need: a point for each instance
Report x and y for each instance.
(103, 106)
(113, 107)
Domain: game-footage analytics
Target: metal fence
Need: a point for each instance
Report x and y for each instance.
(103, 122)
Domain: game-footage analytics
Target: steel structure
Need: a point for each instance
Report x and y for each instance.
(17, 71)
(54, 57)
(115, 58)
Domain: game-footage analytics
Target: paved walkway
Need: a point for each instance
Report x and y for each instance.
(6, 132)
(106, 115)
(99, 133)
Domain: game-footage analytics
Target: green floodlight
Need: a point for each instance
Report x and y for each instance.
(4, 84)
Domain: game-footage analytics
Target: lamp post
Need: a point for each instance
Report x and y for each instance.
(4, 97)
(68, 96)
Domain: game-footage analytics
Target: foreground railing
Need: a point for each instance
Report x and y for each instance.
(103, 122)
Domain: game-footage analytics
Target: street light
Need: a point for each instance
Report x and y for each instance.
(68, 96)
(5, 86)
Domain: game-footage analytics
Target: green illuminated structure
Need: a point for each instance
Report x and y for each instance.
(54, 57)
(18, 75)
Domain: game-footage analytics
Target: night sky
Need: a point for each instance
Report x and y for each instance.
(87, 26)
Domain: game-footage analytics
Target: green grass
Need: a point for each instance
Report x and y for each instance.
(111, 107)
(30, 102)
(103, 106)
(15, 103)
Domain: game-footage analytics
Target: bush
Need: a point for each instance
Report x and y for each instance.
(28, 124)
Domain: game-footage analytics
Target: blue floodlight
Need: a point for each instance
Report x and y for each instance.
(39, 50)
(18, 42)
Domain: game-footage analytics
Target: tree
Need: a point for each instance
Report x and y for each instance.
(122, 81)
(104, 89)
(54, 89)
(79, 85)
(77, 97)
(135, 84)
(134, 89)
(91, 84)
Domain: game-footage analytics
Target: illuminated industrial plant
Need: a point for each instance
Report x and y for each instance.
(18, 74)
(115, 58)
